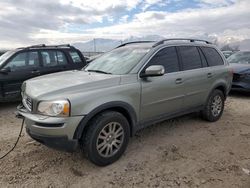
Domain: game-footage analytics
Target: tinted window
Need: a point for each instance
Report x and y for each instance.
(190, 57)
(33, 59)
(61, 59)
(53, 58)
(166, 57)
(75, 57)
(5, 56)
(212, 56)
(24, 60)
(203, 59)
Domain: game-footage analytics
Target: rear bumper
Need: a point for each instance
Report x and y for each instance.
(55, 132)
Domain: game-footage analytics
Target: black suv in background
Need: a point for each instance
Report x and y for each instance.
(21, 64)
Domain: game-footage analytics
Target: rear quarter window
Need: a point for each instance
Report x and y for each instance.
(212, 56)
(75, 57)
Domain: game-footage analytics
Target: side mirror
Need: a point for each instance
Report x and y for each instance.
(153, 70)
(5, 70)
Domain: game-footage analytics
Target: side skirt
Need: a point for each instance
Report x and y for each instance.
(163, 117)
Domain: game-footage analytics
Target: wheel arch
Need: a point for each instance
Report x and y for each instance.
(221, 87)
(124, 108)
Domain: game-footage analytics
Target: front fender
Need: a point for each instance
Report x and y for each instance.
(115, 105)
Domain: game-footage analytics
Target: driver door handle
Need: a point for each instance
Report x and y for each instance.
(178, 81)
(209, 75)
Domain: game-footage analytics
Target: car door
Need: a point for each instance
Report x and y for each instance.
(53, 61)
(163, 95)
(22, 66)
(216, 66)
(194, 75)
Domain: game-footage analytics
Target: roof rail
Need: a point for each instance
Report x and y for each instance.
(37, 45)
(44, 46)
(191, 40)
(60, 45)
(134, 42)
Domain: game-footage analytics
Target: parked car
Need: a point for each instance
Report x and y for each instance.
(123, 91)
(22, 64)
(240, 62)
(228, 53)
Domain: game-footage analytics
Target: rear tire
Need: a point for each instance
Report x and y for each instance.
(106, 138)
(214, 107)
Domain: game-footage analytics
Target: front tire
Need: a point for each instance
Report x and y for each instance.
(106, 138)
(214, 107)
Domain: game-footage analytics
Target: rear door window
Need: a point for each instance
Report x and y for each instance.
(212, 56)
(52, 58)
(33, 59)
(190, 57)
(166, 57)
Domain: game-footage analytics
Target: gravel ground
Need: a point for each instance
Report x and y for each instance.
(184, 152)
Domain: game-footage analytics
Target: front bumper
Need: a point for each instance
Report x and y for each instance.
(55, 132)
(57, 142)
(241, 82)
(241, 86)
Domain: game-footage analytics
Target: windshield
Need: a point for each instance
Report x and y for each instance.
(117, 61)
(5, 56)
(240, 57)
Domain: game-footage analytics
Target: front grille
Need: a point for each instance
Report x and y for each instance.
(27, 102)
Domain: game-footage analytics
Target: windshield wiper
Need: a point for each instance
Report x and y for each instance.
(99, 71)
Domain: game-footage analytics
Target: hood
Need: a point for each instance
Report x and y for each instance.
(68, 82)
(240, 68)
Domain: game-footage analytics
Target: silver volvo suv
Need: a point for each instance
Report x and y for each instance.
(134, 85)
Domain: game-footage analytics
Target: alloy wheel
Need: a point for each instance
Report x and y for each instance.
(216, 106)
(110, 139)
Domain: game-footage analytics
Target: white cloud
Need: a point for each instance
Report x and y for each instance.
(24, 22)
(216, 2)
(101, 5)
(191, 22)
(124, 19)
(149, 3)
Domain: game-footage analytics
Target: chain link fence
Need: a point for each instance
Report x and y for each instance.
(89, 54)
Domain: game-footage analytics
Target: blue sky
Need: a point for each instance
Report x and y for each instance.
(170, 6)
(25, 22)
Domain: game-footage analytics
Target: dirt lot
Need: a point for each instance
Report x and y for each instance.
(185, 152)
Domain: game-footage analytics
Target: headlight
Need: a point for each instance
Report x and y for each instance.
(54, 108)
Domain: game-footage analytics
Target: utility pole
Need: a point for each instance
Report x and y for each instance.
(94, 45)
